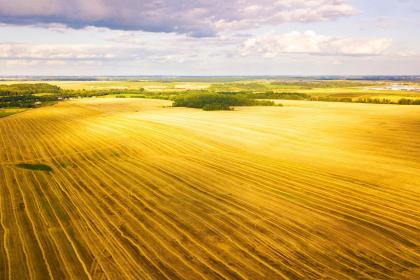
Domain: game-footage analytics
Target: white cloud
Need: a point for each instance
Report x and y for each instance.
(309, 42)
(55, 52)
(21, 62)
(172, 49)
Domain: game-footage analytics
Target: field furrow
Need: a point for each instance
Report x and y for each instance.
(128, 189)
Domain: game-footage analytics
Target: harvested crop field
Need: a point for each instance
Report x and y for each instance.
(132, 189)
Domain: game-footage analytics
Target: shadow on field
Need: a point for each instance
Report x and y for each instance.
(35, 167)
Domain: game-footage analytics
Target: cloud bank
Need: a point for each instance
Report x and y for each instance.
(30, 54)
(19, 51)
(309, 42)
(175, 48)
(192, 17)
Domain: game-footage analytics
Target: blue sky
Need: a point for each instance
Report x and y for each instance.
(185, 37)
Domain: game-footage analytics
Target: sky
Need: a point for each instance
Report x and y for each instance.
(209, 37)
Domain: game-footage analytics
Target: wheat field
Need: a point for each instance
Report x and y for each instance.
(138, 190)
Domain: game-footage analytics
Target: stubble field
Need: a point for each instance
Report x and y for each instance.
(131, 189)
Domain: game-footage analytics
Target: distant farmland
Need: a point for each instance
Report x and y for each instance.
(131, 189)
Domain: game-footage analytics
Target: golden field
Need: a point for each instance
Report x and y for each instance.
(139, 190)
